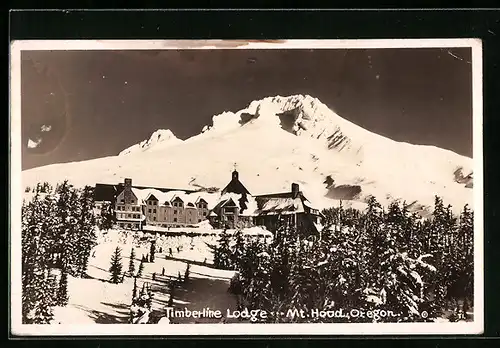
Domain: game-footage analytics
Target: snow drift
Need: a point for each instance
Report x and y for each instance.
(279, 140)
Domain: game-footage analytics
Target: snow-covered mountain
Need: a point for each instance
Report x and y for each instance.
(274, 142)
(159, 140)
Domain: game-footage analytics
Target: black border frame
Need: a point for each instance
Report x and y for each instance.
(483, 24)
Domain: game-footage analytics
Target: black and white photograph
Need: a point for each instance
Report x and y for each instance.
(246, 187)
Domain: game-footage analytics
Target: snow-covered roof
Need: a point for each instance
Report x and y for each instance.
(272, 206)
(144, 194)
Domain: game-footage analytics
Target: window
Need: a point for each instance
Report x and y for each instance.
(122, 201)
(132, 202)
(155, 203)
(149, 210)
(154, 218)
(199, 220)
(154, 210)
(175, 212)
(204, 213)
(175, 219)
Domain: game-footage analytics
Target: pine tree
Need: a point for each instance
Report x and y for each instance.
(134, 290)
(238, 250)
(116, 266)
(86, 228)
(44, 300)
(107, 217)
(222, 253)
(171, 294)
(62, 291)
(131, 264)
(152, 251)
(141, 268)
(186, 273)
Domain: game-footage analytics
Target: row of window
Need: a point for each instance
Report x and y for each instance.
(180, 204)
(175, 211)
(128, 216)
(175, 220)
(122, 208)
(122, 201)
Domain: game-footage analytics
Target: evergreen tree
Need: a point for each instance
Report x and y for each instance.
(222, 253)
(107, 217)
(62, 291)
(44, 300)
(131, 264)
(152, 251)
(171, 294)
(86, 228)
(66, 227)
(238, 249)
(186, 273)
(141, 268)
(116, 266)
(134, 290)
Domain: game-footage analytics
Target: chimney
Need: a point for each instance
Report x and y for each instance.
(295, 190)
(127, 191)
(128, 183)
(235, 175)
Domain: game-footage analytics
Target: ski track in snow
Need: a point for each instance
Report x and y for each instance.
(97, 301)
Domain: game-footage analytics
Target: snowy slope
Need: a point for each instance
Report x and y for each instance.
(279, 140)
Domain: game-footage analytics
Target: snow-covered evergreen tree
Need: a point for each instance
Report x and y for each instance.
(152, 251)
(116, 266)
(62, 291)
(131, 264)
(86, 228)
(141, 268)
(106, 217)
(238, 249)
(222, 252)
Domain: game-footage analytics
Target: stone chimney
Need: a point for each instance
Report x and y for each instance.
(128, 183)
(127, 190)
(295, 190)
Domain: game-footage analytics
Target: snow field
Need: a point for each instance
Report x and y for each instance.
(95, 300)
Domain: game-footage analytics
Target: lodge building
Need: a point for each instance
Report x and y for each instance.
(233, 207)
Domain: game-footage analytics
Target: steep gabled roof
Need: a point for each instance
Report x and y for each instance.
(235, 186)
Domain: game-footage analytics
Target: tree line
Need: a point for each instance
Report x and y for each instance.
(58, 234)
(386, 259)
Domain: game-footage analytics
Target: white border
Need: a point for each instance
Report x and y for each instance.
(475, 327)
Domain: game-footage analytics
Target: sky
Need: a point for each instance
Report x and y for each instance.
(79, 105)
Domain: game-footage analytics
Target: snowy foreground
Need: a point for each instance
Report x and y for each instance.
(96, 300)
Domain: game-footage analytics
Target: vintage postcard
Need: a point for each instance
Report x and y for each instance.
(289, 187)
